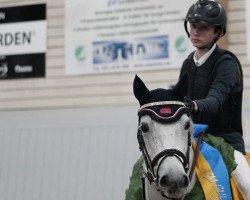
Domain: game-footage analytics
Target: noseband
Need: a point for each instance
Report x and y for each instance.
(163, 112)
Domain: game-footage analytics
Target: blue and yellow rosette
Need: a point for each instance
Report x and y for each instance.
(211, 170)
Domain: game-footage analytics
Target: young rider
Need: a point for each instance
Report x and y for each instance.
(215, 75)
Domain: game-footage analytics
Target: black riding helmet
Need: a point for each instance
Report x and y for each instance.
(208, 11)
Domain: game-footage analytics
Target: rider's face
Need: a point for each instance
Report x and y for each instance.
(202, 34)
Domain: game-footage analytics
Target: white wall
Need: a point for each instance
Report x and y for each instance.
(60, 90)
(70, 154)
(246, 123)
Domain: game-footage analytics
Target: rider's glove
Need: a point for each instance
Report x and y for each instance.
(191, 105)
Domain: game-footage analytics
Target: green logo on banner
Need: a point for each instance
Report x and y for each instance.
(80, 53)
(181, 44)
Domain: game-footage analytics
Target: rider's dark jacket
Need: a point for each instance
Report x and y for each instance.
(217, 87)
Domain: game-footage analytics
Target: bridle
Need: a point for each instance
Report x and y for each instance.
(147, 109)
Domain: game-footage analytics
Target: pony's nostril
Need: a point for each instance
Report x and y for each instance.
(184, 181)
(165, 181)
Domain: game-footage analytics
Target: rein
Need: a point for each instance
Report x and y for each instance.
(160, 157)
(196, 151)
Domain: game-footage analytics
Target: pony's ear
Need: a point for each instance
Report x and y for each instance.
(141, 92)
(181, 88)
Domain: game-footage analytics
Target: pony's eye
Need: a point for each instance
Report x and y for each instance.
(144, 127)
(187, 125)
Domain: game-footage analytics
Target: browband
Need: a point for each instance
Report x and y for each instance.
(162, 103)
(164, 111)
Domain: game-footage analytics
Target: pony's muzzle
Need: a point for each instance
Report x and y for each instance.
(175, 183)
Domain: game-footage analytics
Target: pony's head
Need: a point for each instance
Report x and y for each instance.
(164, 136)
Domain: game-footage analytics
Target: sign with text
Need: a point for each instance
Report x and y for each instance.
(23, 41)
(123, 35)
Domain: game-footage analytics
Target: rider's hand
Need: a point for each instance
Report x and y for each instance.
(193, 107)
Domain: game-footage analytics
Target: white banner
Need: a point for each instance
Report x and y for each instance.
(125, 35)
